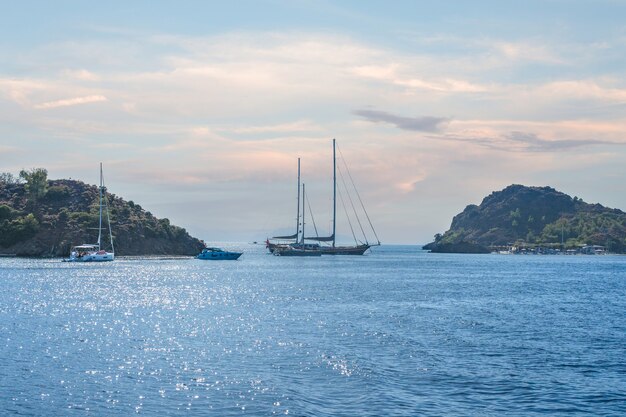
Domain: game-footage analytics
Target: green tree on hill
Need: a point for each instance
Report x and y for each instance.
(12, 231)
(36, 183)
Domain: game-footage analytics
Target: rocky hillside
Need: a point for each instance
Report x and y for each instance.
(533, 216)
(41, 217)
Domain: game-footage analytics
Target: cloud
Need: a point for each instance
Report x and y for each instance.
(417, 124)
(535, 143)
(409, 185)
(70, 102)
(517, 141)
(7, 149)
(391, 74)
(297, 126)
(82, 75)
(581, 90)
(19, 91)
(525, 51)
(494, 51)
(447, 85)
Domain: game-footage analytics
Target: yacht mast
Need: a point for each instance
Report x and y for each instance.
(100, 221)
(302, 241)
(106, 207)
(298, 212)
(334, 193)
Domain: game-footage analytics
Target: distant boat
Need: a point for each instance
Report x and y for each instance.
(94, 252)
(294, 245)
(358, 248)
(218, 254)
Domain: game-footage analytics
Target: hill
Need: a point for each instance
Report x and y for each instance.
(41, 217)
(532, 216)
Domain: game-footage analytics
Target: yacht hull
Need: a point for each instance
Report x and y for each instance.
(344, 250)
(92, 257)
(217, 254)
(290, 251)
(226, 256)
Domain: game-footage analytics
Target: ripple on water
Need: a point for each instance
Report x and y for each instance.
(397, 332)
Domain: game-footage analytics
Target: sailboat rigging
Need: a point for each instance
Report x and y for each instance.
(292, 244)
(358, 248)
(300, 248)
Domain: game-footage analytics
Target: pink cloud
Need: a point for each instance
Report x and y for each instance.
(70, 102)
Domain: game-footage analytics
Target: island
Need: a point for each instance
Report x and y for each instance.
(533, 219)
(45, 218)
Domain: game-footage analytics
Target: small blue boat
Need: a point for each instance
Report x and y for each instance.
(218, 254)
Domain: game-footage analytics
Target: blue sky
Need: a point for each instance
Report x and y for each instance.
(198, 110)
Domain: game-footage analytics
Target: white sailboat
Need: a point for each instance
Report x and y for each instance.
(95, 252)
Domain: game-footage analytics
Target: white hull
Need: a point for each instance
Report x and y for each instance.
(92, 257)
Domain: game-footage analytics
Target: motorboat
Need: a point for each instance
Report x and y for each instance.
(218, 254)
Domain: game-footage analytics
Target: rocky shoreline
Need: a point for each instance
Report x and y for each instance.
(64, 213)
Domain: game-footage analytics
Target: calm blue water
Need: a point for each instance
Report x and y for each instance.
(397, 333)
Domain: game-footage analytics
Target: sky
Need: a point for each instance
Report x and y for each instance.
(198, 110)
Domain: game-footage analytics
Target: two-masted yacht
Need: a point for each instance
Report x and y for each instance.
(325, 245)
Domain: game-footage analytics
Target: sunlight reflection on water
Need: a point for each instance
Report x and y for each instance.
(397, 332)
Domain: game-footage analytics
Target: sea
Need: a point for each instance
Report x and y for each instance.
(397, 332)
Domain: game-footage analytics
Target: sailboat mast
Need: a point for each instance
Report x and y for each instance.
(298, 211)
(106, 207)
(334, 193)
(302, 241)
(100, 221)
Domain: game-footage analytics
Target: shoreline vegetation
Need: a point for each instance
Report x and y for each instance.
(539, 220)
(45, 218)
(127, 257)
